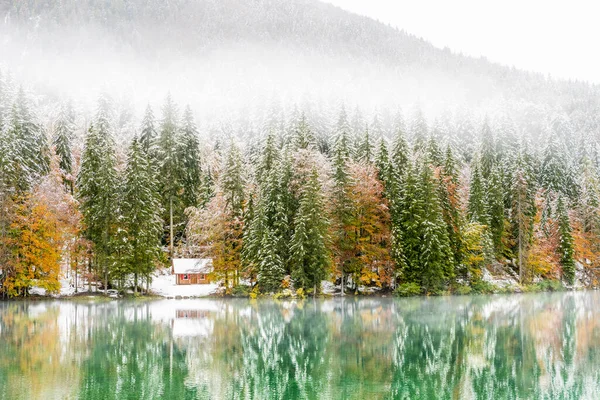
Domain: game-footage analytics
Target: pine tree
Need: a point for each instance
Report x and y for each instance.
(302, 135)
(451, 204)
(496, 210)
(170, 170)
(477, 209)
(523, 211)
(269, 157)
(309, 254)
(189, 169)
(565, 242)
(142, 214)
(436, 261)
(487, 158)
(418, 131)
(271, 268)
(341, 203)
(364, 149)
(148, 136)
(382, 161)
(97, 185)
(62, 141)
(29, 156)
(232, 182)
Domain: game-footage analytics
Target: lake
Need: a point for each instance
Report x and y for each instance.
(542, 346)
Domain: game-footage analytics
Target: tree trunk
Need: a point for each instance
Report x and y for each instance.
(89, 274)
(135, 283)
(76, 264)
(171, 248)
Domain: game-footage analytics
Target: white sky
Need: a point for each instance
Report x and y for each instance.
(560, 38)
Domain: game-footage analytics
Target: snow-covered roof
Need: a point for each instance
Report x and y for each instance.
(192, 265)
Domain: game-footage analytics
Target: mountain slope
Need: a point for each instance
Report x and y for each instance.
(220, 55)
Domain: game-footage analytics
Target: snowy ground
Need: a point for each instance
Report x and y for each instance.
(164, 285)
(66, 289)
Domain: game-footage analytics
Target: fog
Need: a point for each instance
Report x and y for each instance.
(233, 59)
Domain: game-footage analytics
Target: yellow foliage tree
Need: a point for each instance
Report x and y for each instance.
(36, 242)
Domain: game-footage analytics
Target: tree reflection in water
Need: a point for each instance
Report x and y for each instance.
(509, 347)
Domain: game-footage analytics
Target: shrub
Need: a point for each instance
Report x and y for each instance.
(462, 290)
(408, 289)
(240, 291)
(483, 287)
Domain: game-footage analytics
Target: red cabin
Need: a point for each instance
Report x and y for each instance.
(192, 271)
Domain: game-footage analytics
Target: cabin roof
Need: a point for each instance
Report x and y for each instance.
(192, 265)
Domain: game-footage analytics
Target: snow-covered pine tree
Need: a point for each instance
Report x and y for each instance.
(565, 242)
(418, 130)
(148, 134)
(309, 253)
(170, 170)
(364, 148)
(188, 149)
(270, 268)
(495, 209)
(382, 162)
(477, 210)
(232, 181)
(62, 141)
(341, 201)
(30, 151)
(436, 261)
(523, 210)
(302, 135)
(97, 188)
(141, 210)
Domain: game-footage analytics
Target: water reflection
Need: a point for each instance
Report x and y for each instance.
(544, 346)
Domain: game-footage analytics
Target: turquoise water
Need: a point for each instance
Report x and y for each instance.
(538, 346)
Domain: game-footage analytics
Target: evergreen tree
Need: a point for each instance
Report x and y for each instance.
(477, 210)
(341, 205)
(29, 156)
(189, 168)
(302, 135)
(418, 131)
(435, 255)
(565, 242)
(62, 141)
(451, 206)
(523, 211)
(169, 170)
(148, 136)
(487, 158)
(309, 254)
(384, 168)
(142, 214)
(232, 182)
(364, 149)
(496, 210)
(271, 268)
(97, 185)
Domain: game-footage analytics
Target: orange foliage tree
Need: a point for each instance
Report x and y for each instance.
(369, 227)
(214, 231)
(35, 240)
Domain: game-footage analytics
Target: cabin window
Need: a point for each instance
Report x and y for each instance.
(201, 277)
(185, 277)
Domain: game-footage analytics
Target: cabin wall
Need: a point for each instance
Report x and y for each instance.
(193, 279)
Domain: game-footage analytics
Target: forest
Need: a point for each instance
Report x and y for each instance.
(392, 201)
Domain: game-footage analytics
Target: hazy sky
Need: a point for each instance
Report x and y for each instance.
(559, 38)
